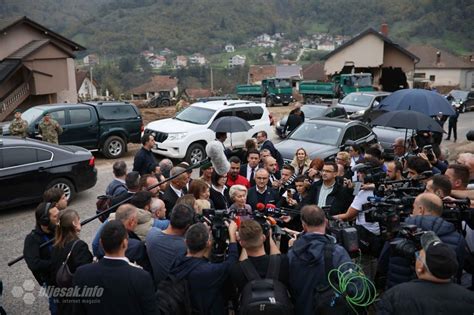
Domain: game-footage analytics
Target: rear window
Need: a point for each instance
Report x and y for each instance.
(80, 116)
(117, 112)
(22, 156)
(256, 113)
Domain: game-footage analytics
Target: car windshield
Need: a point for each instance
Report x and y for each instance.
(195, 115)
(282, 83)
(313, 111)
(317, 133)
(459, 95)
(32, 114)
(359, 80)
(359, 100)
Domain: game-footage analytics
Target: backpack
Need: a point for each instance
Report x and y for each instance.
(325, 299)
(264, 296)
(173, 297)
(104, 202)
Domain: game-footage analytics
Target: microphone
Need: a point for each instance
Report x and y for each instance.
(260, 207)
(215, 152)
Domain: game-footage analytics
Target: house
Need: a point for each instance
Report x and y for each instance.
(326, 45)
(438, 68)
(157, 62)
(197, 59)
(293, 72)
(152, 88)
(195, 94)
(229, 48)
(181, 62)
(147, 54)
(166, 52)
(237, 61)
(87, 89)
(36, 65)
(264, 38)
(90, 60)
(258, 73)
(315, 72)
(391, 65)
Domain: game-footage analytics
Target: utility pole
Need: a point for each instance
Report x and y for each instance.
(212, 81)
(91, 88)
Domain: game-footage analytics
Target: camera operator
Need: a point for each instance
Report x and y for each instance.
(432, 292)
(394, 170)
(205, 279)
(307, 258)
(427, 211)
(439, 185)
(331, 191)
(370, 241)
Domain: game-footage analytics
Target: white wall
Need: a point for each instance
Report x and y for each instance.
(69, 95)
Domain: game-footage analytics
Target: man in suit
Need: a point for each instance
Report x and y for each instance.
(175, 189)
(261, 193)
(262, 139)
(330, 191)
(123, 287)
(248, 170)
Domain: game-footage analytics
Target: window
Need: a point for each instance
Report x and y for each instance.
(59, 116)
(43, 155)
(420, 75)
(195, 115)
(361, 132)
(80, 116)
(256, 113)
(114, 112)
(224, 113)
(243, 113)
(18, 156)
(349, 135)
(432, 78)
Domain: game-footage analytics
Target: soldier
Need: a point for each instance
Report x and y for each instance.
(49, 129)
(18, 126)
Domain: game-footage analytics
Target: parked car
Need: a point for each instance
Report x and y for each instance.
(463, 100)
(314, 111)
(103, 126)
(324, 137)
(358, 105)
(29, 167)
(186, 134)
(387, 135)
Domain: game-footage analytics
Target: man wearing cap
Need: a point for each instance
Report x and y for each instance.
(427, 211)
(49, 129)
(433, 292)
(18, 127)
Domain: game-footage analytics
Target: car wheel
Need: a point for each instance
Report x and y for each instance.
(269, 101)
(153, 104)
(65, 185)
(114, 147)
(286, 104)
(195, 154)
(165, 103)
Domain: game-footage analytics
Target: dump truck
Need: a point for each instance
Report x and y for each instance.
(275, 91)
(340, 86)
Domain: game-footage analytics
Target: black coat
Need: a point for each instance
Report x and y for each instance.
(243, 172)
(339, 199)
(220, 201)
(424, 297)
(127, 289)
(267, 144)
(169, 197)
(38, 260)
(144, 162)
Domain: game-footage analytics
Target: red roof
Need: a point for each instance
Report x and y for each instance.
(156, 84)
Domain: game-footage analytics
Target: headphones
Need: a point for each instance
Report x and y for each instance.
(44, 219)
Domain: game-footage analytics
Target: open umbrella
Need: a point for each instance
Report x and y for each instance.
(230, 124)
(423, 101)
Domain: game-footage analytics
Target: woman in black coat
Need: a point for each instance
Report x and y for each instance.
(67, 240)
(219, 194)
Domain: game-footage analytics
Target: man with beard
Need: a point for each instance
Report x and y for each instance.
(233, 177)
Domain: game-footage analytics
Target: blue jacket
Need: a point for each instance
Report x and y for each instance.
(307, 268)
(116, 188)
(269, 196)
(206, 280)
(400, 269)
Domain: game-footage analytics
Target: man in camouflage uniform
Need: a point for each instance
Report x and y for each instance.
(18, 126)
(49, 129)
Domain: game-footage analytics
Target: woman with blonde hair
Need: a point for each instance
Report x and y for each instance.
(238, 195)
(68, 249)
(301, 162)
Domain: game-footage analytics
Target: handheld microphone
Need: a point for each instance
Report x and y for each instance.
(215, 152)
(260, 207)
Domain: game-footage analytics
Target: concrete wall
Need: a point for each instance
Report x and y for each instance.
(367, 52)
(446, 77)
(69, 94)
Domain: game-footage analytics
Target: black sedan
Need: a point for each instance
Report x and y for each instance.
(314, 111)
(29, 167)
(324, 137)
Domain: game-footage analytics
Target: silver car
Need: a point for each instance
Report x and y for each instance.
(359, 104)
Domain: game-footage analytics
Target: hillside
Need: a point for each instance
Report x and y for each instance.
(126, 27)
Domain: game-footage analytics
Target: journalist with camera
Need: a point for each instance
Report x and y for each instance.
(396, 259)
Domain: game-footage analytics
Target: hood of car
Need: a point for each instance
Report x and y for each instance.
(171, 125)
(352, 109)
(288, 148)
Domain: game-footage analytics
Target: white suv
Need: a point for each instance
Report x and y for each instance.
(186, 135)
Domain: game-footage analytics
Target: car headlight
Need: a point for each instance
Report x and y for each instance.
(176, 136)
(278, 97)
(360, 112)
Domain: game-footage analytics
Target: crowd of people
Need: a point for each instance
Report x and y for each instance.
(156, 237)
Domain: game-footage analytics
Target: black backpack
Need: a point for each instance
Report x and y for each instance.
(325, 299)
(104, 202)
(264, 296)
(173, 296)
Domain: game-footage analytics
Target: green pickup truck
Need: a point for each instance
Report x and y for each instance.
(102, 126)
(275, 91)
(340, 86)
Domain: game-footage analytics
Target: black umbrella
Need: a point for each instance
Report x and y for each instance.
(408, 119)
(230, 124)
